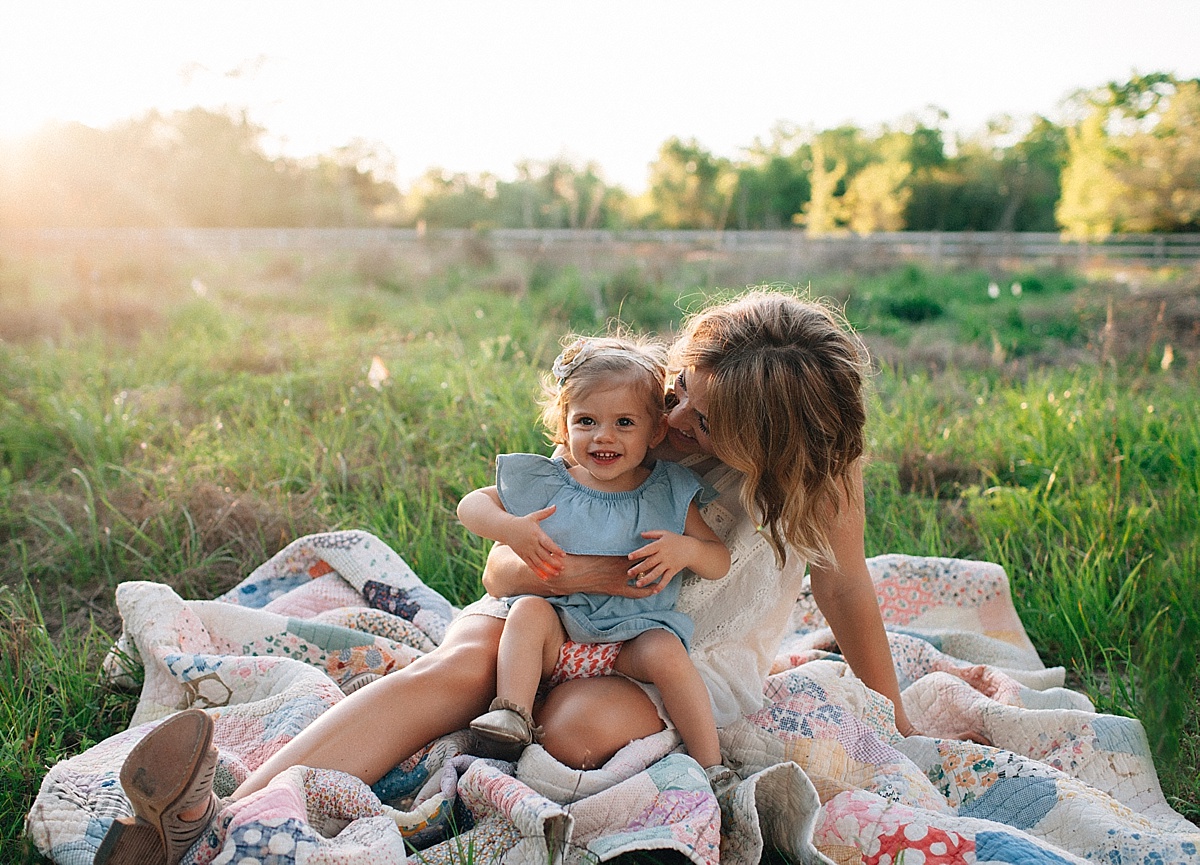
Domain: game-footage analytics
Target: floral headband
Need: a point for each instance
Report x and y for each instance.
(582, 350)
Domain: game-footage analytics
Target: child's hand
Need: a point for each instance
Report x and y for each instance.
(534, 546)
(661, 560)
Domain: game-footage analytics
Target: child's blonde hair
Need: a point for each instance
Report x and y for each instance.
(785, 408)
(601, 361)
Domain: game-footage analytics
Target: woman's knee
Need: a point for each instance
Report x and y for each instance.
(466, 658)
(587, 721)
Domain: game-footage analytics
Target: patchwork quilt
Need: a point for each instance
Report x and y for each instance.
(827, 779)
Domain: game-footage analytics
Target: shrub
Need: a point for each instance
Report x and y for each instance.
(915, 308)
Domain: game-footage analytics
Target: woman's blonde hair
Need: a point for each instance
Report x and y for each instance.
(590, 362)
(785, 407)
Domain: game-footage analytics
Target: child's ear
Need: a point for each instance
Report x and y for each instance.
(660, 433)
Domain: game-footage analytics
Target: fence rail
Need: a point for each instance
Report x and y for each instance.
(935, 247)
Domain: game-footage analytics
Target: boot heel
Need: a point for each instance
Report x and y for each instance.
(130, 841)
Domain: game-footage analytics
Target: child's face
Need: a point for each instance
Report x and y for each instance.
(609, 431)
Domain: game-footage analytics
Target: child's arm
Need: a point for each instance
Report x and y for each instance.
(482, 512)
(698, 548)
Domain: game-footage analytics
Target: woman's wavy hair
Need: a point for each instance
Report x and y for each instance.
(785, 407)
(622, 359)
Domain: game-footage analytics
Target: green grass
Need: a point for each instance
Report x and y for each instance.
(149, 432)
(53, 704)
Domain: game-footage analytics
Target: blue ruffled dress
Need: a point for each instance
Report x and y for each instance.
(591, 522)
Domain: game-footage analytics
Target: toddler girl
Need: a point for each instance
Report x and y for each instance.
(605, 406)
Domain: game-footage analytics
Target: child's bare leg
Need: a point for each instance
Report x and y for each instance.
(529, 647)
(658, 657)
(530, 644)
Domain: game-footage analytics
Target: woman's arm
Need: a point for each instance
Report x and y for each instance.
(846, 596)
(505, 575)
(714, 559)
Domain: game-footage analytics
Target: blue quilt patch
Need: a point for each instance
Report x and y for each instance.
(1121, 735)
(1017, 802)
(1004, 847)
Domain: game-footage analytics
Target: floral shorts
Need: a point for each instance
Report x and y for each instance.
(584, 661)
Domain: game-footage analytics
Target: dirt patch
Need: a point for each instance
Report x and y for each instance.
(120, 320)
(932, 356)
(249, 527)
(1145, 322)
(934, 475)
(215, 535)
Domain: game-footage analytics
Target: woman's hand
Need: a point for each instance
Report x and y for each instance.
(505, 574)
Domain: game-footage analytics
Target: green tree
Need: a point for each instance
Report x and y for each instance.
(989, 184)
(1090, 186)
(926, 141)
(444, 199)
(1133, 160)
(772, 182)
(837, 156)
(877, 195)
(929, 189)
(1162, 168)
(1030, 178)
(821, 212)
(188, 168)
(363, 174)
(558, 194)
(690, 187)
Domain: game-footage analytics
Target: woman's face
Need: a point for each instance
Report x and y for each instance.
(687, 421)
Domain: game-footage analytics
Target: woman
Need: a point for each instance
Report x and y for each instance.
(768, 406)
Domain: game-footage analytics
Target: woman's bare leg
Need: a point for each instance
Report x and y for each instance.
(589, 720)
(376, 727)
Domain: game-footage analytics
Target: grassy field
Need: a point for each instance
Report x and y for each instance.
(180, 420)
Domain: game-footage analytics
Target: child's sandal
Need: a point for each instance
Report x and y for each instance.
(508, 726)
(722, 779)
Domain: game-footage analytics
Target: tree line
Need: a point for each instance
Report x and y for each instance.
(1125, 159)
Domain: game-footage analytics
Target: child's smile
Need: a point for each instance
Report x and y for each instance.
(609, 431)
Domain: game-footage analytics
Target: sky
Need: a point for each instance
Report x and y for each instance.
(480, 86)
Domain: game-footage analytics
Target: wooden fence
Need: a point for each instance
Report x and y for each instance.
(936, 248)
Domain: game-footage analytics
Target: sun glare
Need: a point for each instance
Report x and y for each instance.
(30, 101)
(22, 109)
(22, 118)
(70, 68)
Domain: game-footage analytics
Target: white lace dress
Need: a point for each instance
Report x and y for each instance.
(742, 618)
